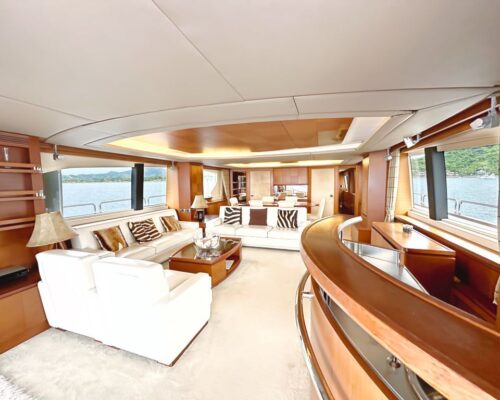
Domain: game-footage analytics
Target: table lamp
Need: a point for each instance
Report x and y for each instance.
(50, 228)
(199, 204)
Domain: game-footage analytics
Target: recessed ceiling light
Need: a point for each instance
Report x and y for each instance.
(277, 164)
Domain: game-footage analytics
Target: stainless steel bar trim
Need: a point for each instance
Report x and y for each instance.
(317, 377)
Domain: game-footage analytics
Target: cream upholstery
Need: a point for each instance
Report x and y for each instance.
(255, 203)
(268, 199)
(233, 201)
(131, 304)
(269, 236)
(157, 250)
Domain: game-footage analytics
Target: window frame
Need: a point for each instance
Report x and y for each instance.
(218, 172)
(467, 227)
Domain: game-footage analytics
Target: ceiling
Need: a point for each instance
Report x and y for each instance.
(250, 137)
(88, 73)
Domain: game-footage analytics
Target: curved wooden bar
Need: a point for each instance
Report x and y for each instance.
(453, 351)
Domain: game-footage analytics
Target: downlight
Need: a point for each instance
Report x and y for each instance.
(388, 155)
(411, 141)
(490, 121)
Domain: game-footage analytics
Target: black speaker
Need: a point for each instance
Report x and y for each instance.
(138, 187)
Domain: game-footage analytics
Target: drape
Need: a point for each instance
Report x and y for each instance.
(225, 183)
(217, 191)
(392, 186)
(496, 295)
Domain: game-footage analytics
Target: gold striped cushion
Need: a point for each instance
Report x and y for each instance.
(170, 223)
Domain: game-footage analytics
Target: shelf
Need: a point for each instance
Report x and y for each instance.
(5, 199)
(8, 164)
(17, 226)
(18, 193)
(19, 171)
(14, 221)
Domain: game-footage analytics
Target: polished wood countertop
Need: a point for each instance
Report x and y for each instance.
(455, 352)
(411, 242)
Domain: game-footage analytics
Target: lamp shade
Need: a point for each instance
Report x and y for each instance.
(199, 202)
(50, 228)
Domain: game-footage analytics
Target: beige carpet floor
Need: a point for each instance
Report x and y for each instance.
(249, 349)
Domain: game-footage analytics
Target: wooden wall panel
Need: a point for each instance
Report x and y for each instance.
(21, 317)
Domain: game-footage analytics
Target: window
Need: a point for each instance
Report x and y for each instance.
(87, 191)
(472, 182)
(212, 184)
(155, 186)
(420, 198)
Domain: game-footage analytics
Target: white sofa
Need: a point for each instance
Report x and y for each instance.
(157, 250)
(131, 304)
(269, 236)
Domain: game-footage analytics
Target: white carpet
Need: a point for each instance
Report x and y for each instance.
(249, 349)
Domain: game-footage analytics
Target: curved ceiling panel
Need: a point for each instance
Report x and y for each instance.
(271, 48)
(102, 59)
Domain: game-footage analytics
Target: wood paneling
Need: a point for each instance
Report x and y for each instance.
(347, 374)
(252, 137)
(190, 183)
(75, 151)
(452, 126)
(290, 176)
(437, 341)
(477, 268)
(428, 260)
(21, 317)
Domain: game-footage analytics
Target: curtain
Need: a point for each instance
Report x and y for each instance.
(217, 190)
(225, 183)
(392, 186)
(496, 295)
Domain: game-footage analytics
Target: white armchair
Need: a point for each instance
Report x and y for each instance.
(131, 304)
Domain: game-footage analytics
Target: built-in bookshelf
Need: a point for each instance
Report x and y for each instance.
(239, 185)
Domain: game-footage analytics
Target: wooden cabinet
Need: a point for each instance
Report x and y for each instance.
(290, 176)
(432, 263)
(21, 311)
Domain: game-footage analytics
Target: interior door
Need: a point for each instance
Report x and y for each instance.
(260, 184)
(323, 186)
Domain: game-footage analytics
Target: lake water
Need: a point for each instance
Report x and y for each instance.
(460, 188)
(473, 189)
(89, 197)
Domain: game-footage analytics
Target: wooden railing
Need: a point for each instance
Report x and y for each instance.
(437, 341)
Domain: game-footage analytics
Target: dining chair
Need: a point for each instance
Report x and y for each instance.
(268, 200)
(286, 204)
(233, 201)
(319, 213)
(255, 203)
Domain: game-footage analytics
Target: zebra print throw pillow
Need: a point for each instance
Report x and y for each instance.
(232, 215)
(139, 231)
(288, 218)
(151, 229)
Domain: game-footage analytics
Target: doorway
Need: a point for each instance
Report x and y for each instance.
(260, 184)
(323, 187)
(347, 192)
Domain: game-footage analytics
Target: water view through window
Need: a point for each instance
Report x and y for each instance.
(87, 191)
(471, 180)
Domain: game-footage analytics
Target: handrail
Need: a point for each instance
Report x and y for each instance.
(443, 342)
(83, 205)
(319, 381)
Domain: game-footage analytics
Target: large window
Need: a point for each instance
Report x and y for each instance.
(155, 186)
(420, 197)
(472, 182)
(87, 191)
(212, 184)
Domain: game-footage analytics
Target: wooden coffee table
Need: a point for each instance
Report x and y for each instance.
(219, 263)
